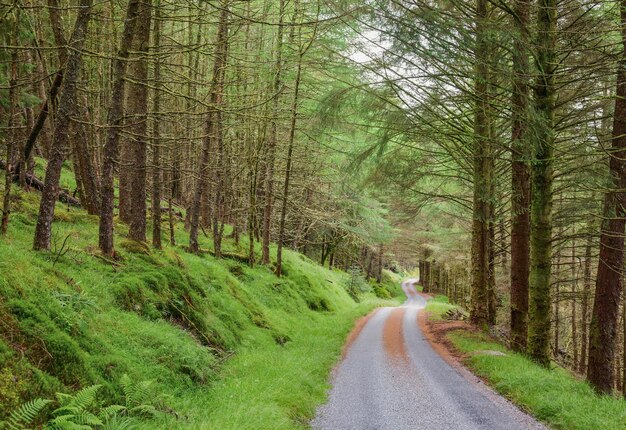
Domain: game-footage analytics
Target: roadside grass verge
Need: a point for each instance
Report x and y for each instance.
(226, 346)
(438, 306)
(267, 386)
(554, 396)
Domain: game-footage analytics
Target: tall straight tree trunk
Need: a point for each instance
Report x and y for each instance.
(272, 140)
(60, 145)
(520, 181)
(573, 307)
(214, 100)
(156, 132)
(137, 105)
(542, 177)
(13, 107)
(114, 122)
(221, 172)
(584, 310)
(481, 234)
(604, 318)
(292, 134)
(87, 169)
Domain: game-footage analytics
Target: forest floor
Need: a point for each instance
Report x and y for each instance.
(222, 345)
(555, 396)
(392, 378)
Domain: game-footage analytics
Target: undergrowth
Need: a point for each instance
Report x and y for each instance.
(554, 396)
(217, 337)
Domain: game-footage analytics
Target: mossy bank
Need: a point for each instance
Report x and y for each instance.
(227, 345)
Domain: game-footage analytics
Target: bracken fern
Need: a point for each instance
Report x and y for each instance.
(24, 415)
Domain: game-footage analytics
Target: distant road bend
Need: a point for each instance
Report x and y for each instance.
(392, 379)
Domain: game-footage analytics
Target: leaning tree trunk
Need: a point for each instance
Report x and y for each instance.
(542, 177)
(57, 30)
(604, 317)
(114, 121)
(520, 182)
(137, 105)
(479, 307)
(67, 108)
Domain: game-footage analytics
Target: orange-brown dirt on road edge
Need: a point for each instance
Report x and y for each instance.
(436, 332)
(393, 336)
(356, 331)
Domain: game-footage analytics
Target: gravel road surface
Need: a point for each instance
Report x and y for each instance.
(392, 379)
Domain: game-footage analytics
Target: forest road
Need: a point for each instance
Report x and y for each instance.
(392, 379)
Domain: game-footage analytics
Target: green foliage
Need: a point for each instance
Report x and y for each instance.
(187, 323)
(358, 285)
(81, 411)
(25, 415)
(552, 395)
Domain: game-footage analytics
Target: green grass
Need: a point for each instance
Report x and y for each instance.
(554, 396)
(228, 346)
(437, 306)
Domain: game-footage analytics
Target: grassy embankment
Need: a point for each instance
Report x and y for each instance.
(555, 396)
(227, 346)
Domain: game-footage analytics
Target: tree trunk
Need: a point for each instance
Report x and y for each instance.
(271, 149)
(67, 108)
(520, 181)
(156, 133)
(541, 206)
(137, 105)
(292, 134)
(584, 335)
(604, 318)
(114, 122)
(481, 236)
(13, 105)
(214, 100)
(87, 169)
(573, 307)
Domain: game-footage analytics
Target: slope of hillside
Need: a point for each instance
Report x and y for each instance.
(226, 345)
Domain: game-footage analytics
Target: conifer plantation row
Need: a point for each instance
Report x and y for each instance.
(483, 142)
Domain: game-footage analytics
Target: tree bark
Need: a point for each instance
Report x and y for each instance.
(584, 335)
(137, 105)
(272, 140)
(13, 106)
(481, 234)
(67, 108)
(542, 177)
(604, 318)
(520, 181)
(292, 134)
(215, 100)
(156, 133)
(114, 122)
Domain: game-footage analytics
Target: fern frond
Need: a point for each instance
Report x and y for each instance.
(144, 410)
(85, 397)
(141, 392)
(111, 411)
(87, 419)
(119, 423)
(126, 384)
(65, 422)
(63, 398)
(25, 414)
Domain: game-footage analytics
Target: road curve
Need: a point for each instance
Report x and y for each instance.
(392, 379)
